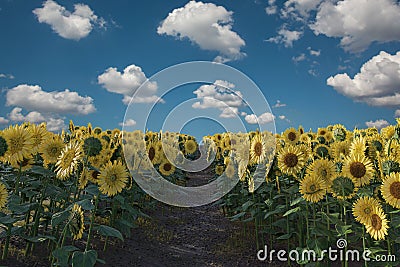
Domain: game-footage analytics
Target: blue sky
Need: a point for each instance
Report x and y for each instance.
(62, 60)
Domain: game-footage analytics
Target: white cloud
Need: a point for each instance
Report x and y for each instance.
(312, 72)
(358, 22)
(53, 123)
(377, 83)
(279, 104)
(7, 76)
(316, 53)
(286, 37)
(207, 25)
(299, 9)
(4, 120)
(271, 8)
(128, 123)
(262, 119)
(377, 124)
(299, 58)
(75, 25)
(127, 83)
(397, 113)
(282, 117)
(221, 95)
(32, 97)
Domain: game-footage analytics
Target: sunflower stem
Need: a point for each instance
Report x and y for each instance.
(364, 245)
(7, 244)
(92, 221)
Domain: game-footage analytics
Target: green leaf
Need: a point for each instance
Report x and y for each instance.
(343, 229)
(296, 201)
(109, 231)
(7, 220)
(59, 217)
(285, 236)
(42, 171)
(246, 205)
(238, 216)
(291, 211)
(86, 204)
(21, 208)
(38, 239)
(62, 256)
(84, 259)
(92, 189)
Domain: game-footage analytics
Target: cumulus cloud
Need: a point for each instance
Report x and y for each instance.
(397, 113)
(299, 10)
(32, 97)
(279, 104)
(128, 123)
(7, 76)
(299, 58)
(286, 37)
(316, 53)
(75, 25)
(377, 83)
(53, 123)
(262, 119)
(127, 83)
(221, 95)
(4, 120)
(358, 22)
(377, 124)
(207, 25)
(271, 8)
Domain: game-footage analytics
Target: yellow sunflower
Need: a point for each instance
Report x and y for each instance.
(322, 131)
(313, 188)
(257, 149)
(190, 146)
(3, 196)
(378, 226)
(358, 145)
(290, 160)
(322, 168)
(339, 132)
(19, 143)
(153, 153)
(364, 208)
(291, 136)
(51, 148)
(230, 170)
(92, 145)
(388, 132)
(391, 190)
(322, 151)
(76, 222)
(340, 149)
(219, 169)
(166, 168)
(68, 160)
(39, 135)
(112, 178)
(360, 168)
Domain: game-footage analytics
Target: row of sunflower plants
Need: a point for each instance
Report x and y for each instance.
(68, 194)
(321, 187)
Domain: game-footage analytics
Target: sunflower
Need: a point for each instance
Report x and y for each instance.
(305, 138)
(25, 164)
(68, 160)
(322, 151)
(112, 178)
(328, 137)
(378, 226)
(230, 170)
(51, 148)
(313, 188)
(358, 145)
(322, 168)
(291, 136)
(39, 135)
(3, 146)
(364, 208)
(391, 190)
(322, 131)
(166, 168)
(358, 167)
(340, 149)
(76, 222)
(83, 179)
(339, 132)
(3, 196)
(343, 187)
(152, 153)
(257, 149)
(190, 146)
(92, 146)
(290, 160)
(388, 132)
(19, 142)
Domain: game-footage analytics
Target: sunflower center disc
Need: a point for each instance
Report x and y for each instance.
(292, 136)
(395, 189)
(376, 222)
(258, 149)
(291, 160)
(357, 169)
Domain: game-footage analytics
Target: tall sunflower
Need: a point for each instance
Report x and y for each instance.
(76, 222)
(322, 151)
(359, 167)
(313, 188)
(112, 178)
(364, 208)
(358, 145)
(153, 153)
(340, 149)
(190, 147)
(3, 195)
(391, 190)
(68, 160)
(257, 149)
(291, 136)
(39, 135)
(323, 168)
(378, 226)
(51, 148)
(290, 160)
(166, 168)
(19, 142)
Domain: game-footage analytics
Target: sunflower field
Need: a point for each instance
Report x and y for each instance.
(61, 192)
